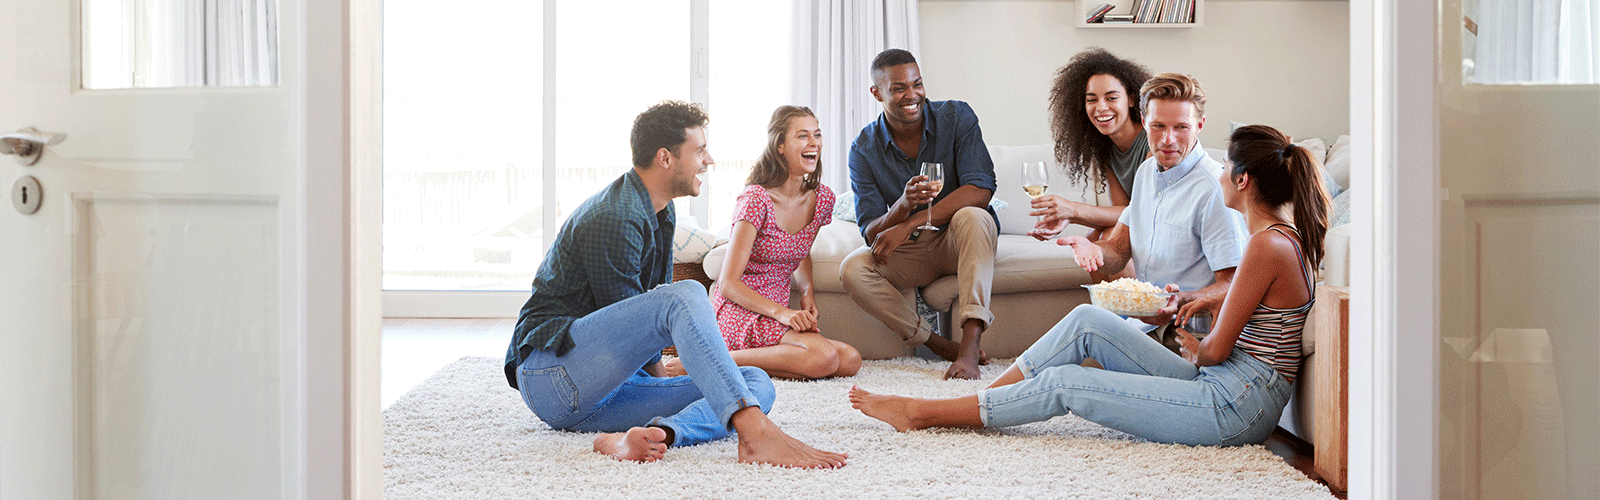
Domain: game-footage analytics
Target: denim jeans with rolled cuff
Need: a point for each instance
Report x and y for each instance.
(601, 386)
(1144, 390)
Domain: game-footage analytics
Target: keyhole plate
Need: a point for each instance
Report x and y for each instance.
(27, 195)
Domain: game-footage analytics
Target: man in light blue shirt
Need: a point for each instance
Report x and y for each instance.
(1176, 229)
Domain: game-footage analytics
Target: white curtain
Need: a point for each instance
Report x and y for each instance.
(835, 41)
(1579, 48)
(200, 43)
(1537, 41)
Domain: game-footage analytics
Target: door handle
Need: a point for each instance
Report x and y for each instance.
(28, 144)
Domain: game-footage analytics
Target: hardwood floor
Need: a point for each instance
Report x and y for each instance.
(415, 348)
(1298, 454)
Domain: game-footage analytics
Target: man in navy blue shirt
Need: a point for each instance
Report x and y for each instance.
(586, 352)
(893, 200)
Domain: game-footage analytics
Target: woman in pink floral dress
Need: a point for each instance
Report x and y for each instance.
(776, 220)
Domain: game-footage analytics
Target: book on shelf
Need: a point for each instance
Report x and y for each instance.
(1163, 11)
(1117, 18)
(1098, 13)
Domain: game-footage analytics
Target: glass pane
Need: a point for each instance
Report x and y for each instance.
(462, 188)
(750, 75)
(1530, 42)
(179, 43)
(614, 60)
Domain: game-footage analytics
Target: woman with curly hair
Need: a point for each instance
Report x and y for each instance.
(1099, 134)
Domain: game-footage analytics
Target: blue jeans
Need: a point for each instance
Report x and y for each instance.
(601, 386)
(1144, 390)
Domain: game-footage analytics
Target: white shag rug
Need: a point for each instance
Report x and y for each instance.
(465, 434)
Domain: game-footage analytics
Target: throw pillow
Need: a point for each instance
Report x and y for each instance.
(844, 207)
(1339, 212)
(1338, 163)
(690, 243)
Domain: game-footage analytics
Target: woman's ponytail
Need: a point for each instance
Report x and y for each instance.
(1310, 200)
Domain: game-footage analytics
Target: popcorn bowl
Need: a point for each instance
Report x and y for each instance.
(1127, 302)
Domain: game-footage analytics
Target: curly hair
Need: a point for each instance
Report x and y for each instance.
(770, 171)
(664, 125)
(1080, 148)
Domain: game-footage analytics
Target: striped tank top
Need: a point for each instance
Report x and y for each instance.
(1272, 335)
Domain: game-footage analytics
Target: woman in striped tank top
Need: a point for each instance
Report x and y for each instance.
(1228, 389)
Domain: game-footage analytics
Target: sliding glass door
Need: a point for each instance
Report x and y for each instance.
(501, 117)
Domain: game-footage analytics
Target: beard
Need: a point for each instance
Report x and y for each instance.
(684, 186)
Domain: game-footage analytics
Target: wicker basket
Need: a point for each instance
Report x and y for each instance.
(687, 271)
(690, 271)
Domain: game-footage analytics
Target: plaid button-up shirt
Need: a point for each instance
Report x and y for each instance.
(614, 246)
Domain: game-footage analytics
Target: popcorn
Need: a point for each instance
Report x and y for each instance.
(1128, 297)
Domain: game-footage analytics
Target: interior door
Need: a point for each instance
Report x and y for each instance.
(155, 308)
(1519, 357)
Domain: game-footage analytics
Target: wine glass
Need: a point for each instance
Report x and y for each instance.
(1035, 180)
(935, 173)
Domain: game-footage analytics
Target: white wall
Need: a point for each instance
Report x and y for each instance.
(1279, 63)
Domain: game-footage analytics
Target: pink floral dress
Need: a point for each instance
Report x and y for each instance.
(774, 256)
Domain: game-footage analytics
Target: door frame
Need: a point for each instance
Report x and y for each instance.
(1393, 309)
(358, 131)
(1394, 300)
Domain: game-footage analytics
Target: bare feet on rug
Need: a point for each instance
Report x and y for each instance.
(762, 442)
(639, 444)
(673, 367)
(893, 410)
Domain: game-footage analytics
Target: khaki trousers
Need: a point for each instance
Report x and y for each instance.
(965, 249)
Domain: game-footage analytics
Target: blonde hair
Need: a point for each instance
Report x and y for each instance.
(1173, 87)
(769, 171)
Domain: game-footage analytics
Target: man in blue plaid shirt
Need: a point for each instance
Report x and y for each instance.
(586, 353)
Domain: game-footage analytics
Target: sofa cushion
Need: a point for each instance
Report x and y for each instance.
(1023, 264)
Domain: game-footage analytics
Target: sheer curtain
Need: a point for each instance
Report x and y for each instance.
(1538, 41)
(835, 41)
(202, 43)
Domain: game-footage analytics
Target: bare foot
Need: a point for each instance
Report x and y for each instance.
(764, 443)
(639, 444)
(893, 410)
(673, 367)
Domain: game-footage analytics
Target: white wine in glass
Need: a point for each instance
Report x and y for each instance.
(1035, 179)
(935, 173)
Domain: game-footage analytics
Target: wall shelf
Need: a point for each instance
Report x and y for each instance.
(1083, 8)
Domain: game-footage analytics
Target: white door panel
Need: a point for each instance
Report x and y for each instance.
(1519, 268)
(153, 313)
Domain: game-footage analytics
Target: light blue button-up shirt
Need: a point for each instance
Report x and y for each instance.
(1178, 227)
